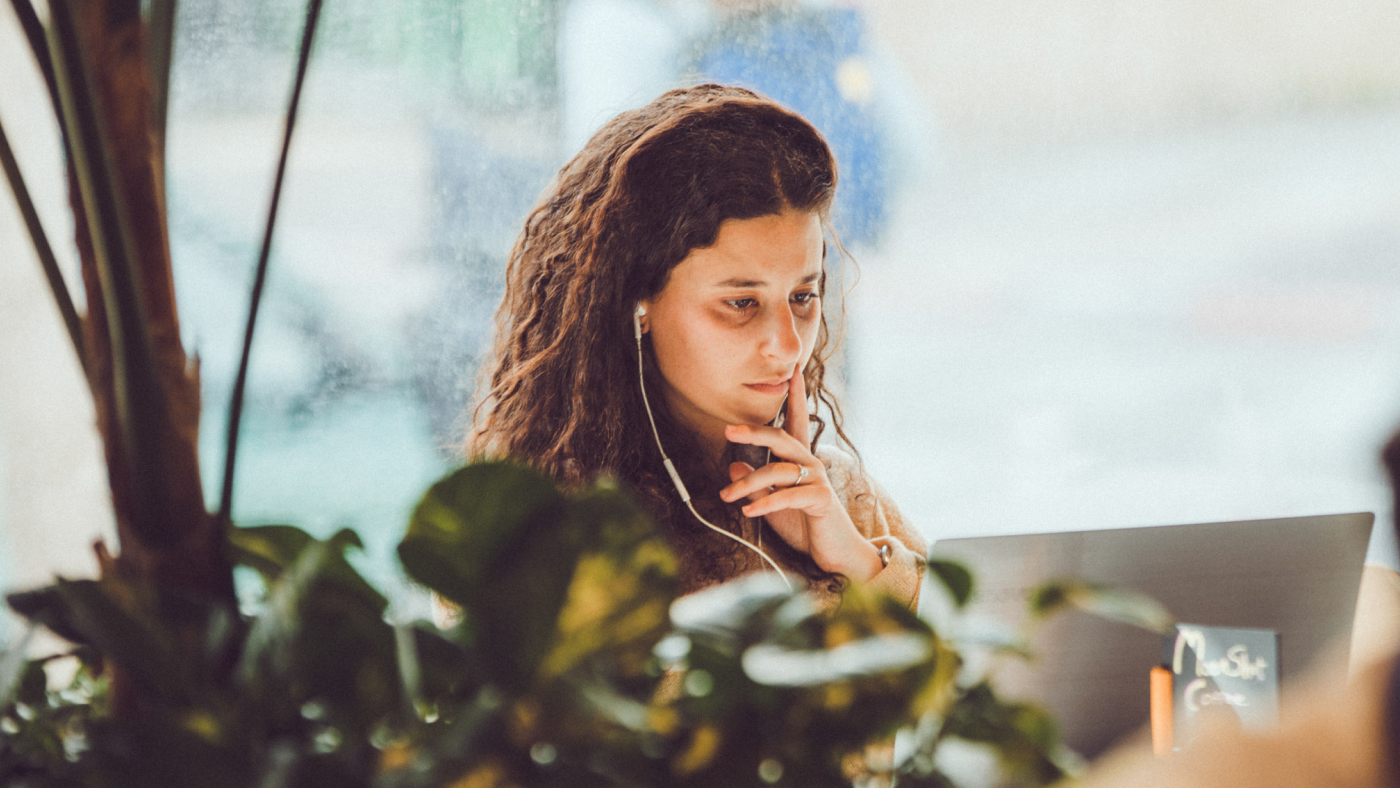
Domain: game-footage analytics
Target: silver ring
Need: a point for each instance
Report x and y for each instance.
(801, 475)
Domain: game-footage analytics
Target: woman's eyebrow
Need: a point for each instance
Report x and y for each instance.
(736, 282)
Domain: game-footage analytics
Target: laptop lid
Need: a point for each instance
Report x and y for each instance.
(1298, 576)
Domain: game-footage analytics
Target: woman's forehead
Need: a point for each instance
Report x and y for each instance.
(778, 250)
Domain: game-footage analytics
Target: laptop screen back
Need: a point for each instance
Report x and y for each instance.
(1298, 576)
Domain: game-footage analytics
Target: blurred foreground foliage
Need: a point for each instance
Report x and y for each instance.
(573, 664)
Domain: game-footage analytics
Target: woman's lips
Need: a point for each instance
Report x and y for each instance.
(780, 387)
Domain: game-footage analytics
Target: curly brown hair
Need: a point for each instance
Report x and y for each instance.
(561, 393)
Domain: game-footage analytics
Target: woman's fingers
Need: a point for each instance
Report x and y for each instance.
(780, 441)
(796, 422)
(738, 470)
(803, 496)
(751, 482)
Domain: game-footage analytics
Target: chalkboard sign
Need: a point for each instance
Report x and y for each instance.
(1219, 672)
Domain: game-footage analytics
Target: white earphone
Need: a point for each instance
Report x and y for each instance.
(637, 316)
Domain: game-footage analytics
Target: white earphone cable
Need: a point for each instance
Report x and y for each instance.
(671, 468)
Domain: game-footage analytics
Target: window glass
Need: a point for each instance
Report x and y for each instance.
(1116, 265)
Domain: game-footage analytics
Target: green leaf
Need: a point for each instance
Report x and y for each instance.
(622, 586)
(473, 519)
(270, 549)
(784, 680)
(456, 745)
(124, 638)
(776, 665)
(955, 578)
(44, 606)
(1025, 736)
(323, 637)
(1114, 604)
(174, 748)
(435, 670)
(33, 685)
(84, 611)
(920, 778)
(736, 613)
(498, 540)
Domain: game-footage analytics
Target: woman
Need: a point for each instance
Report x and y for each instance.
(684, 247)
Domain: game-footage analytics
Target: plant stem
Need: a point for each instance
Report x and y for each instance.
(235, 411)
(39, 45)
(42, 248)
(34, 32)
(140, 398)
(162, 38)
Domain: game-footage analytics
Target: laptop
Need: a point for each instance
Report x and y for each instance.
(1298, 576)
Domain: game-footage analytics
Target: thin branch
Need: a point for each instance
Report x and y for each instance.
(235, 411)
(162, 43)
(34, 32)
(39, 45)
(42, 248)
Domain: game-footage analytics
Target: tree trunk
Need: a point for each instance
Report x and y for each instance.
(183, 549)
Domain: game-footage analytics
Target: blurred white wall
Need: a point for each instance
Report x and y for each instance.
(999, 68)
(1155, 276)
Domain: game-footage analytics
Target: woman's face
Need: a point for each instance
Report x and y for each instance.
(736, 320)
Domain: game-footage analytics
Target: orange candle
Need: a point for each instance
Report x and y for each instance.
(1161, 699)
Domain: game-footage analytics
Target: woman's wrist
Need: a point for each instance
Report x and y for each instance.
(863, 562)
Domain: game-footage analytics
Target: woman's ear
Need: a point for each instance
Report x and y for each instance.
(640, 315)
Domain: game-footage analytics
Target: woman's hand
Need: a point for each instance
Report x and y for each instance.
(801, 507)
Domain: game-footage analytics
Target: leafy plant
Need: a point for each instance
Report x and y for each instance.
(573, 663)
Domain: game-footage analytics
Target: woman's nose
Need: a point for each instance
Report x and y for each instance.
(781, 338)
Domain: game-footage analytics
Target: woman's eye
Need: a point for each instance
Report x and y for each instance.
(745, 304)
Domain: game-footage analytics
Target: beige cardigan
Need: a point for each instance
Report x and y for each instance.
(880, 521)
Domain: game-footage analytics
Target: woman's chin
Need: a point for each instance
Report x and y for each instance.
(756, 417)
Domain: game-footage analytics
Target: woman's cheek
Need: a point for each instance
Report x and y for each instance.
(810, 328)
(716, 341)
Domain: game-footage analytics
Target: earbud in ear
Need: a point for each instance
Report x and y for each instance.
(637, 315)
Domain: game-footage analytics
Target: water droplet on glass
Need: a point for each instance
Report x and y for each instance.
(328, 740)
(543, 753)
(672, 648)
(698, 683)
(770, 770)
